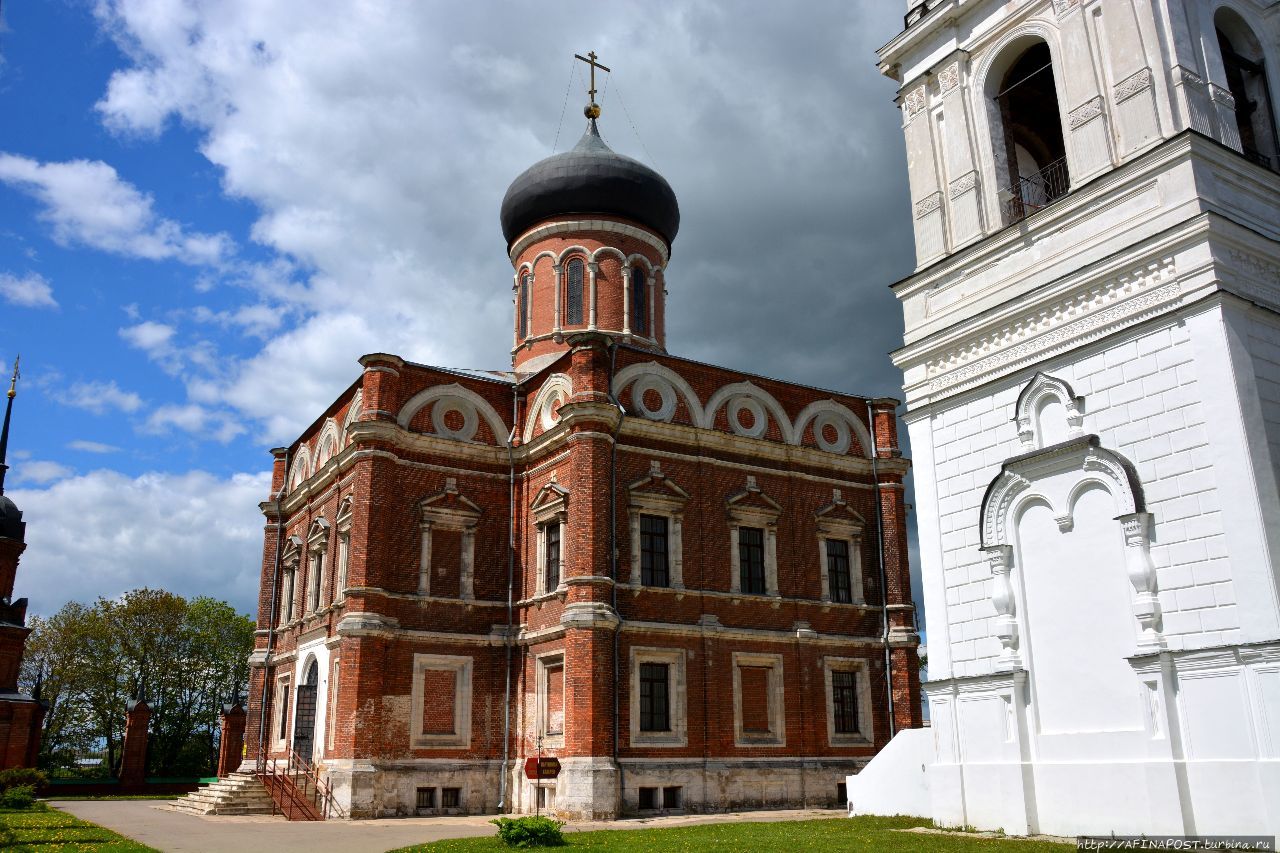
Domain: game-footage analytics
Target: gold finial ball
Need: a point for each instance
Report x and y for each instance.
(591, 111)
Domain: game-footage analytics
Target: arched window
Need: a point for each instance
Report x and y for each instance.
(573, 293)
(639, 302)
(304, 717)
(1030, 155)
(1246, 78)
(523, 307)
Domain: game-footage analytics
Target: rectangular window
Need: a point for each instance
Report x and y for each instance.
(344, 556)
(655, 707)
(648, 799)
(450, 798)
(426, 799)
(555, 700)
(844, 702)
(671, 797)
(439, 701)
(653, 551)
(838, 571)
(316, 579)
(283, 708)
(552, 533)
(286, 595)
(751, 559)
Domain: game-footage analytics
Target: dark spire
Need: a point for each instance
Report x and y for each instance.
(8, 413)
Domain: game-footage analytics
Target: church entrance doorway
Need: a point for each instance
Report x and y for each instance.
(304, 716)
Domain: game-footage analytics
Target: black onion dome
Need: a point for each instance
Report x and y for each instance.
(11, 523)
(590, 178)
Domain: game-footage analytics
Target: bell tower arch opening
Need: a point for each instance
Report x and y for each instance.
(1243, 61)
(1026, 130)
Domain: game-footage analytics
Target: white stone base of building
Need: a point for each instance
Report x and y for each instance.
(1198, 764)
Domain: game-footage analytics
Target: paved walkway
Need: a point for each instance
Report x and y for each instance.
(180, 832)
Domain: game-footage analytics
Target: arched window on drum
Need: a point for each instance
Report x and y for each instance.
(573, 293)
(639, 302)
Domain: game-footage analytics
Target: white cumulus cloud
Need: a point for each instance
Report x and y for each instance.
(86, 202)
(100, 397)
(30, 291)
(103, 533)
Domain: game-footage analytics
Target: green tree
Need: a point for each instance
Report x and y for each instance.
(185, 657)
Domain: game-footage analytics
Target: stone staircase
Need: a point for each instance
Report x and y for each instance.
(239, 793)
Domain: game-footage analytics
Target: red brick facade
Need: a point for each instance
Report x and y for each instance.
(502, 557)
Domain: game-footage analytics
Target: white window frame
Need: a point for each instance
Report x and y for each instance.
(450, 511)
(852, 537)
(551, 506)
(669, 506)
(677, 696)
(290, 563)
(461, 667)
(546, 662)
(765, 518)
(280, 718)
(344, 551)
(331, 704)
(317, 544)
(865, 736)
(777, 734)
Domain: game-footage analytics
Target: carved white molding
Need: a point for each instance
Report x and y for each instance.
(1062, 7)
(913, 103)
(1222, 96)
(353, 415)
(1133, 84)
(1022, 477)
(1086, 112)
(666, 392)
(928, 205)
(544, 411)
(1041, 387)
(449, 510)
(1088, 313)
(949, 78)
(963, 184)
(1255, 278)
(1183, 74)
(843, 422)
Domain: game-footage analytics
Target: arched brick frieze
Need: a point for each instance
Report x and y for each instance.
(455, 398)
(748, 410)
(543, 414)
(835, 428)
(653, 379)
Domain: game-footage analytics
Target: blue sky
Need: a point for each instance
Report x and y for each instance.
(209, 210)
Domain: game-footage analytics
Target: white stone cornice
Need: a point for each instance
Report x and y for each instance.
(550, 229)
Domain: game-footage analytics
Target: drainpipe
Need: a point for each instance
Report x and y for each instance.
(271, 615)
(511, 568)
(884, 586)
(613, 562)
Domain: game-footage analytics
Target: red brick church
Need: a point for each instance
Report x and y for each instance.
(686, 583)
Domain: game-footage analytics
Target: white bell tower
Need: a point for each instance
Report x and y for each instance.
(1092, 373)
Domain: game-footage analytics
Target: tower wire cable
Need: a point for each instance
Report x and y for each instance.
(573, 73)
(625, 112)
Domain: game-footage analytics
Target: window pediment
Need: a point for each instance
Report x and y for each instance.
(318, 533)
(657, 491)
(752, 504)
(551, 500)
(449, 507)
(839, 519)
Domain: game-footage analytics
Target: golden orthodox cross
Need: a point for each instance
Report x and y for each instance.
(590, 59)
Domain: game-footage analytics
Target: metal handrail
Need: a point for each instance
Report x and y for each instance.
(1034, 192)
(300, 783)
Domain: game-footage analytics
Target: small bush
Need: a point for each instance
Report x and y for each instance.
(22, 776)
(18, 797)
(529, 831)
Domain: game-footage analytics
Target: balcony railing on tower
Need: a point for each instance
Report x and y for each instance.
(1034, 192)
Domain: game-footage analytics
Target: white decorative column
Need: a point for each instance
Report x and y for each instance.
(676, 551)
(635, 548)
(626, 302)
(593, 269)
(424, 568)
(1000, 558)
(466, 581)
(558, 269)
(1142, 574)
(771, 559)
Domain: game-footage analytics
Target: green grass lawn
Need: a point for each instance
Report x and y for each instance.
(42, 828)
(828, 836)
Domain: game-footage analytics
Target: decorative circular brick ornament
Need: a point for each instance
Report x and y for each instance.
(747, 417)
(643, 392)
(831, 432)
(456, 418)
(550, 415)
